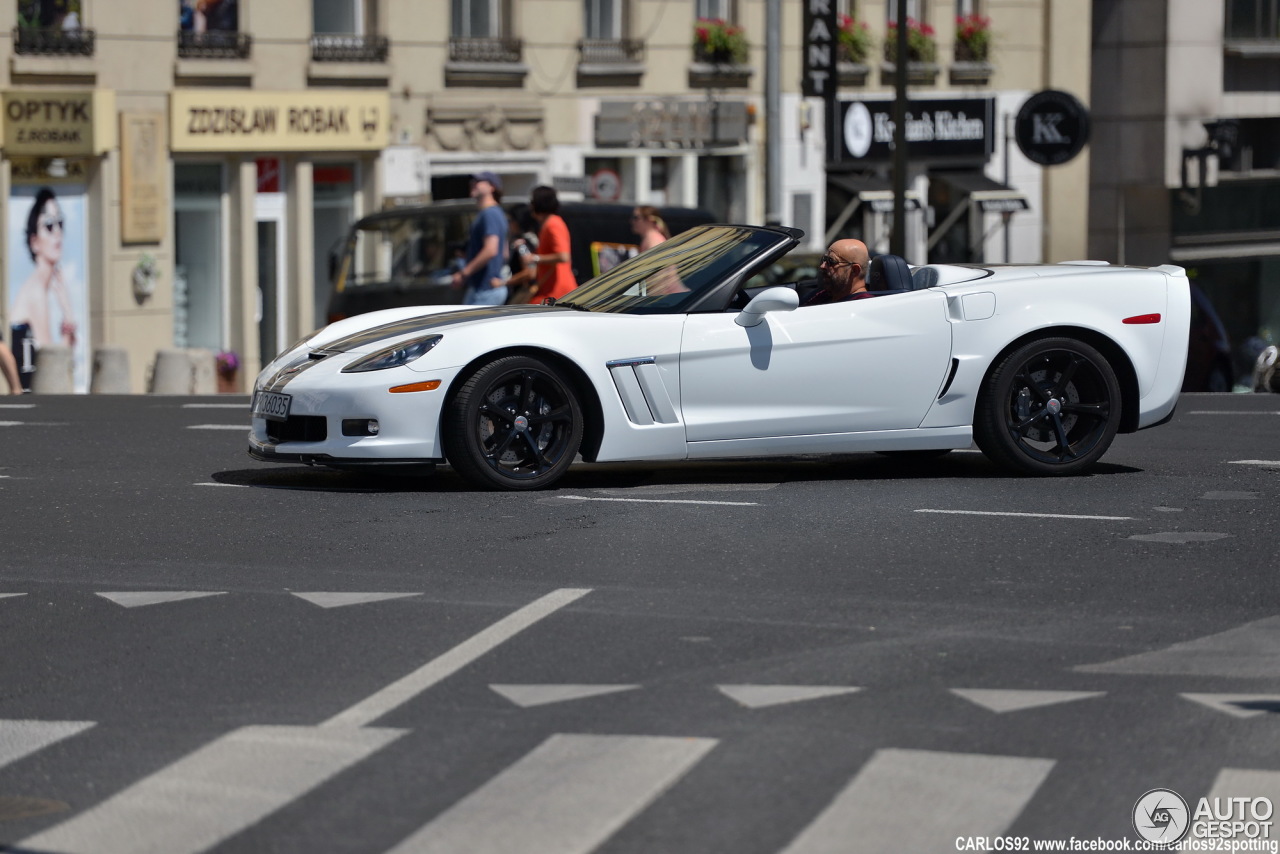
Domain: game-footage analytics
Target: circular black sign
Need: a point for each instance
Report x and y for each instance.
(1051, 127)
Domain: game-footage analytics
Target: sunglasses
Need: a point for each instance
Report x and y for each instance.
(51, 224)
(833, 261)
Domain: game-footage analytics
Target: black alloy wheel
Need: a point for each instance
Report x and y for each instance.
(514, 424)
(1051, 407)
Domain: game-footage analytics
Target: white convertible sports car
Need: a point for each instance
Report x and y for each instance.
(672, 356)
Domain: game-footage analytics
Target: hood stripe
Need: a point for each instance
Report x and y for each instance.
(422, 324)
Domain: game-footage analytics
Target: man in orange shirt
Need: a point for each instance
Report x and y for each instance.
(554, 274)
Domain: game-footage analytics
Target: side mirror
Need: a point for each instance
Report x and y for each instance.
(772, 299)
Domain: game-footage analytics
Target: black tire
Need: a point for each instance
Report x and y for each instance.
(515, 423)
(917, 456)
(1050, 407)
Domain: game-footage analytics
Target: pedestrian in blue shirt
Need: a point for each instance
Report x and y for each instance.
(487, 246)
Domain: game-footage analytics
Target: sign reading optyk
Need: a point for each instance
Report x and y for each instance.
(1051, 128)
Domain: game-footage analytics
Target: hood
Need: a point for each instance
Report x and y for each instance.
(420, 324)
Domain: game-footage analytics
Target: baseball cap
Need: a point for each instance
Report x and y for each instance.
(491, 177)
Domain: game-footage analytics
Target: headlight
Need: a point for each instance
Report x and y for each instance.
(393, 356)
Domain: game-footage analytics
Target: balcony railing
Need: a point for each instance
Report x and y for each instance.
(610, 51)
(493, 50)
(219, 44)
(53, 42)
(349, 48)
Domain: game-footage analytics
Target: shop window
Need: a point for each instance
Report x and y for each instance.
(199, 293)
(345, 31)
(210, 29)
(722, 188)
(334, 200)
(52, 27)
(1253, 19)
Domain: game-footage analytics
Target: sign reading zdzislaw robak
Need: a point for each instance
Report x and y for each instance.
(59, 123)
(950, 128)
(232, 120)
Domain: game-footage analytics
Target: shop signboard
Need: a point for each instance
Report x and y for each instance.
(1052, 127)
(937, 129)
(57, 123)
(215, 120)
(667, 123)
(143, 176)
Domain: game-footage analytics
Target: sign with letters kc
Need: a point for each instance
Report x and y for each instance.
(1051, 128)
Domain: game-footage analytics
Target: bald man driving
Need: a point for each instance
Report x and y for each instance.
(842, 273)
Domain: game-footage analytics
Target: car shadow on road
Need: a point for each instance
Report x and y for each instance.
(849, 467)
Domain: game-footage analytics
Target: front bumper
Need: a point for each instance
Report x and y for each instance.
(322, 398)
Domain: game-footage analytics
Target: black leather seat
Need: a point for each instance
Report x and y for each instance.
(889, 274)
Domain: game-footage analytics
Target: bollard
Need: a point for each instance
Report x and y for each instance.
(204, 371)
(53, 371)
(110, 371)
(172, 373)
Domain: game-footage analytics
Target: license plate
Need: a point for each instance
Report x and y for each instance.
(271, 406)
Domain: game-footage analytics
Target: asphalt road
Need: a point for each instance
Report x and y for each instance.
(202, 652)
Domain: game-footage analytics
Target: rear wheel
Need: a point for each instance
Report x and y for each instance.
(514, 424)
(1051, 407)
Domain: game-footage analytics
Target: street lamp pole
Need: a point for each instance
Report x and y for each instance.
(773, 113)
(898, 239)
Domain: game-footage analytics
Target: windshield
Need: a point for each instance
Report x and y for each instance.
(418, 248)
(675, 273)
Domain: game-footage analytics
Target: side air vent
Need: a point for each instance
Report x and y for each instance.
(643, 394)
(951, 375)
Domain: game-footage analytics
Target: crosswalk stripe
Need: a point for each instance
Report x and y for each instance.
(213, 793)
(20, 738)
(953, 795)
(567, 796)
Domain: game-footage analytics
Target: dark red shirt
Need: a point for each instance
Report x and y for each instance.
(823, 297)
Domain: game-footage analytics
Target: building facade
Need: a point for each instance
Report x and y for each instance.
(178, 172)
(1186, 161)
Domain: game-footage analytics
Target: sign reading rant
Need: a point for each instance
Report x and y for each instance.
(59, 123)
(935, 129)
(279, 121)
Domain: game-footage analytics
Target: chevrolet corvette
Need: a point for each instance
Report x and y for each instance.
(674, 356)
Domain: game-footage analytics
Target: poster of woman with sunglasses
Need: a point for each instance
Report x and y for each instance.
(46, 254)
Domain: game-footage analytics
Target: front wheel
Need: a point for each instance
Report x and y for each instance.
(1051, 407)
(514, 424)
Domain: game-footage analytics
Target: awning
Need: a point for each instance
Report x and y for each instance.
(876, 193)
(990, 196)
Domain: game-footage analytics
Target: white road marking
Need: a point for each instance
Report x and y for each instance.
(957, 795)
(661, 500)
(401, 691)
(217, 426)
(1254, 462)
(21, 738)
(1238, 705)
(526, 696)
(760, 696)
(567, 796)
(1228, 495)
(158, 597)
(339, 600)
(1248, 783)
(1251, 651)
(1232, 412)
(10, 595)
(1030, 515)
(12, 423)
(1001, 701)
(210, 483)
(213, 793)
(244, 406)
(1179, 537)
(17, 406)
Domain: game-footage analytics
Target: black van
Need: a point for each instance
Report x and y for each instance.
(406, 256)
